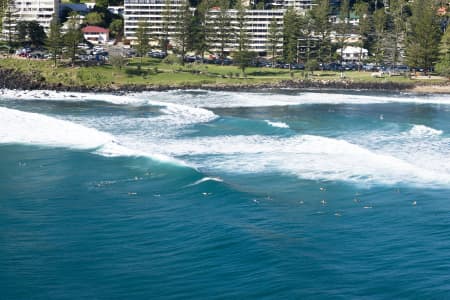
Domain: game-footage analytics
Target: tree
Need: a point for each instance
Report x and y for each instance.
(343, 27)
(117, 61)
(320, 14)
(142, 41)
(9, 21)
(443, 67)
(311, 65)
(243, 56)
(290, 37)
(116, 28)
(30, 32)
(364, 25)
(396, 31)
(423, 36)
(220, 33)
(22, 32)
(183, 29)
(379, 21)
(166, 18)
(197, 40)
(94, 18)
(53, 42)
(36, 33)
(306, 37)
(102, 3)
(274, 38)
(73, 37)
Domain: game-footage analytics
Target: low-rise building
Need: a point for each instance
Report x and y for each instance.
(351, 54)
(96, 34)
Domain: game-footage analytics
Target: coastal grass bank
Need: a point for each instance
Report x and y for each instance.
(154, 73)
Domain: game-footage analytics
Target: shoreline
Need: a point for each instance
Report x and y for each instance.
(16, 80)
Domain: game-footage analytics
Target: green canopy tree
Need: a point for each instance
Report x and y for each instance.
(116, 28)
(94, 18)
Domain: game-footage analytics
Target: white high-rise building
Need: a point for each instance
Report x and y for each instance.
(300, 5)
(257, 24)
(155, 13)
(36, 10)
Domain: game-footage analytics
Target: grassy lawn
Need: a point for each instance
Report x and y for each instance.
(155, 72)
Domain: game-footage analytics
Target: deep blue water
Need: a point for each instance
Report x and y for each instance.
(218, 195)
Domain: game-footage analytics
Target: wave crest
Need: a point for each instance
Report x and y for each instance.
(422, 130)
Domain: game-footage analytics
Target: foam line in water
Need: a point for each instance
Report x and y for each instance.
(277, 124)
(222, 99)
(18, 127)
(205, 179)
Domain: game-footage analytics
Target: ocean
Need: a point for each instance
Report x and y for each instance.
(224, 195)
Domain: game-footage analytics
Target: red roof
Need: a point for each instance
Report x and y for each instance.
(94, 29)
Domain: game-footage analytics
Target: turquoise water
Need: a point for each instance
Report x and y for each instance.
(222, 195)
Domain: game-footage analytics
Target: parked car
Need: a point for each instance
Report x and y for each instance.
(157, 54)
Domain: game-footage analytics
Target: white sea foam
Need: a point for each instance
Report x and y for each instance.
(174, 113)
(218, 99)
(211, 99)
(18, 127)
(308, 157)
(422, 130)
(277, 124)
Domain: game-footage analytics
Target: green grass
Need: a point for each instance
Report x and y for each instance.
(155, 72)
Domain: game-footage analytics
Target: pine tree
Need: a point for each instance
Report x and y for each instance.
(364, 25)
(396, 31)
(243, 56)
(423, 35)
(166, 18)
(197, 39)
(9, 20)
(379, 21)
(219, 32)
(320, 13)
(53, 42)
(142, 41)
(443, 67)
(274, 39)
(73, 36)
(343, 27)
(183, 29)
(290, 37)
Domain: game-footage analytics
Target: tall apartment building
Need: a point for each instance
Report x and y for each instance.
(257, 27)
(35, 10)
(300, 5)
(155, 12)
